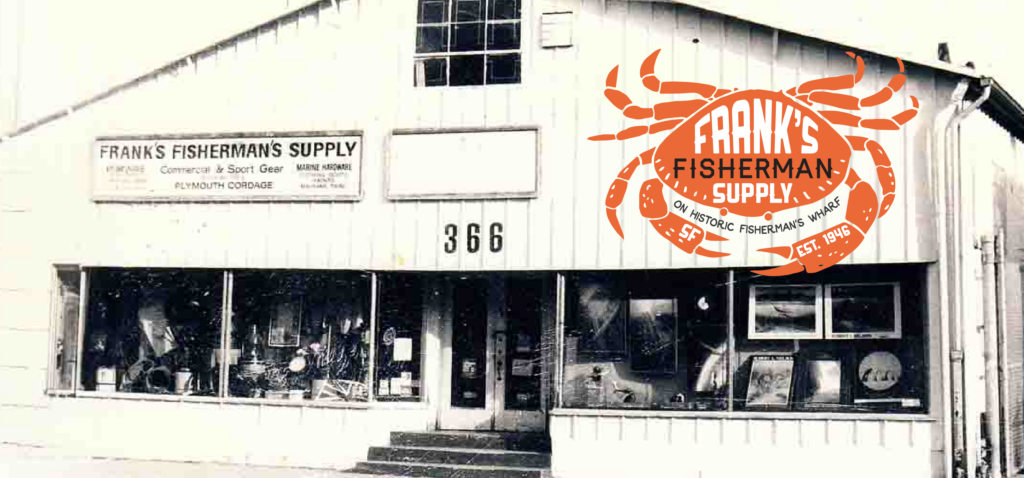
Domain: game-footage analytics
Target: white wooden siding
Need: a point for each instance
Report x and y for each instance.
(713, 446)
(335, 69)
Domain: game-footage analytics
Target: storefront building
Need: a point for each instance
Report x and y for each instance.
(359, 219)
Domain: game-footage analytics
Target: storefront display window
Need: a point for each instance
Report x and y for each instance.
(852, 339)
(150, 331)
(399, 338)
(654, 340)
(865, 354)
(299, 336)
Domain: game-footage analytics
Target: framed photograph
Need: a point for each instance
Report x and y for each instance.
(785, 312)
(889, 377)
(285, 323)
(862, 311)
(822, 383)
(652, 336)
(602, 322)
(771, 381)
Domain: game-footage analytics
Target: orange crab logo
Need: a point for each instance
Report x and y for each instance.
(754, 153)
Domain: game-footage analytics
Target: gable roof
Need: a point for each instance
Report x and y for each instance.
(1001, 106)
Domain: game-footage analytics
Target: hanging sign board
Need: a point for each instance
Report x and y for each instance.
(233, 167)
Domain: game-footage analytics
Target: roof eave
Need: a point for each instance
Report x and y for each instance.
(1002, 108)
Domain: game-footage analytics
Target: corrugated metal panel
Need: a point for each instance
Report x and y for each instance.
(334, 69)
(994, 162)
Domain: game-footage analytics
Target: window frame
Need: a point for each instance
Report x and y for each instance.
(56, 309)
(910, 277)
(223, 395)
(419, 59)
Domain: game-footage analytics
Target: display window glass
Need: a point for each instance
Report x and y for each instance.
(866, 354)
(652, 340)
(299, 336)
(849, 339)
(399, 338)
(151, 331)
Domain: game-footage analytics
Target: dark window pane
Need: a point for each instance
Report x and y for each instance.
(300, 334)
(469, 344)
(503, 69)
(467, 70)
(435, 72)
(433, 11)
(431, 39)
(152, 331)
(503, 9)
(469, 10)
(468, 37)
(503, 36)
(398, 341)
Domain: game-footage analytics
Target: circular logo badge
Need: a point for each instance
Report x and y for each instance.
(880, 371)
(389, 336)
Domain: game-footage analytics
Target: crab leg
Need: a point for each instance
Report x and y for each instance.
(673, 87)
(815, 94)
(828, 247)
(835, 82)
(683, 234)
(894, 123)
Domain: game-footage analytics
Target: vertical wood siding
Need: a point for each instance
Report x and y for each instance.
(350, 67)
(719, 447)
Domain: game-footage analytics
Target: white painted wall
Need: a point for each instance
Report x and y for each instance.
(58, 53)
(351, 67)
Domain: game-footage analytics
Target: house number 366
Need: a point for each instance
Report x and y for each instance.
(494, 239)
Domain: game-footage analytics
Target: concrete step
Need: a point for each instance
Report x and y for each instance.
(535, 442)
(460, 456)
(447, 471)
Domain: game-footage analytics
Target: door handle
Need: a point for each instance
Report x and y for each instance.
(499, 355)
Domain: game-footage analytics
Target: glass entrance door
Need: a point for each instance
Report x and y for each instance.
(493, 354)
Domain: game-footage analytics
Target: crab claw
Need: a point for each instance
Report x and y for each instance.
(614, 219)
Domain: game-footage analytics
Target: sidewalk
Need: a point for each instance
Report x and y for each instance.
(22, 461)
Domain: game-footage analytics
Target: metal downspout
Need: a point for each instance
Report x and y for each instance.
(1004, 390)
(991, 355)
(949, 218)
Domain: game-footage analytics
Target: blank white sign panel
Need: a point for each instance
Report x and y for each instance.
(463, 164)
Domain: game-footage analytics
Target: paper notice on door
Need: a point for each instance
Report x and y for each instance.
(403, 350)
(405, 384)
(522, 368)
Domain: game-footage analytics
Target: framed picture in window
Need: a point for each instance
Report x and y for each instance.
(785, 312)
(862, 311)
(822, 382)
(890, 375)
(652, 335)
(602, 321)
(771, 382)
(285, 323)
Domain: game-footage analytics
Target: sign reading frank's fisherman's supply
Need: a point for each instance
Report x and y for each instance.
(240, 167)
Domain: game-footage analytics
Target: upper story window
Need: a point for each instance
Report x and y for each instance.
(468, 42)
